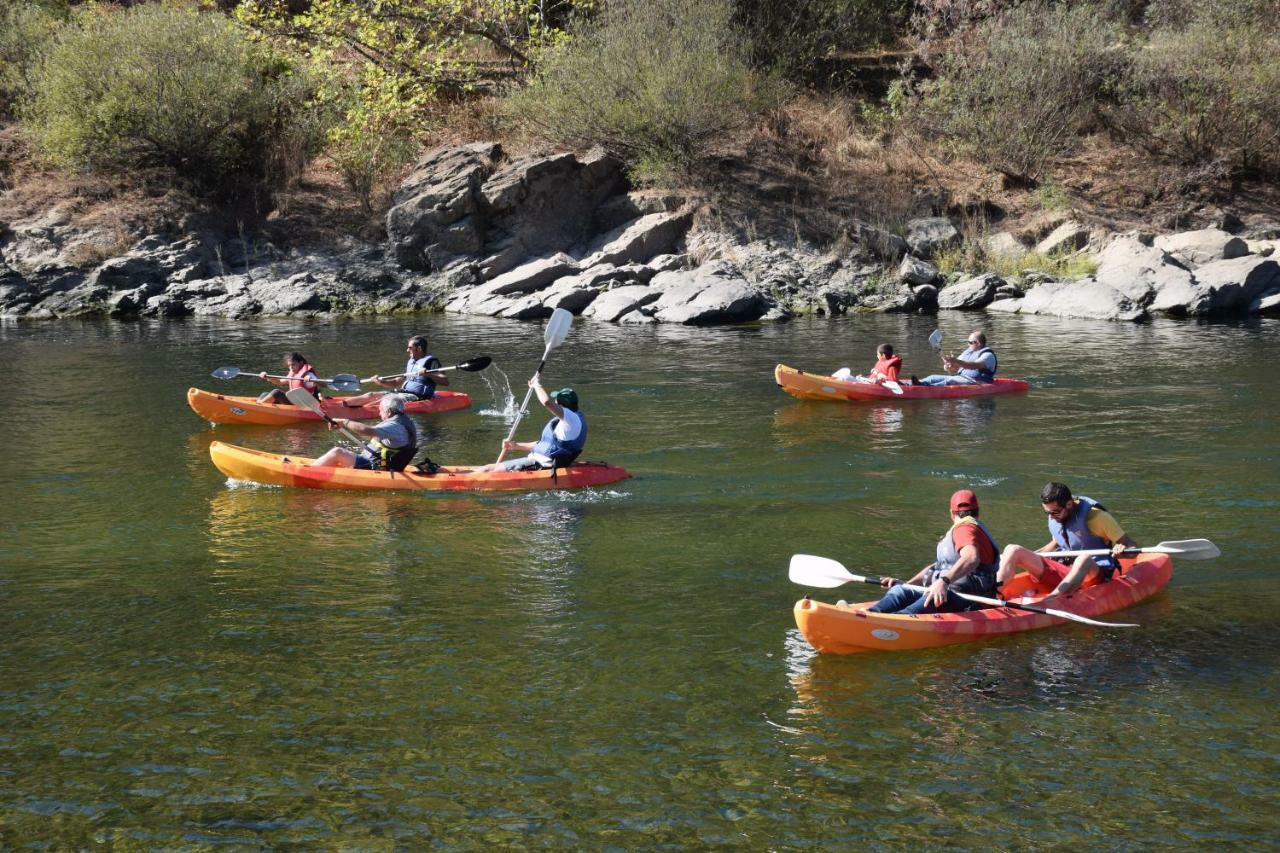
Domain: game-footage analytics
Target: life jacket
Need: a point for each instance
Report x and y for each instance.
(395, 458)
(561, 452)
(296, 380)
(887, 368)
(980, 581)
(980, 375)
(423, 389)
(1075, 535)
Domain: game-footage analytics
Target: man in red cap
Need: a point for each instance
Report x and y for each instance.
(967, 559)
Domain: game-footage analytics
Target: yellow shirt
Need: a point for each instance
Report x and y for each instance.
(1103, 525)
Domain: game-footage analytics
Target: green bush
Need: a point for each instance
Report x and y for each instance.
(651, 82)
(160, 86)
(25, 30)
(1205, 89)
(1017, 90)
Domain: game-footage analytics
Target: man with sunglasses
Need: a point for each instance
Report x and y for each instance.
(1075, 524)
(974, 366)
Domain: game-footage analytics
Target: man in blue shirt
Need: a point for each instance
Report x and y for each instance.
(419, 381)
(976, 365)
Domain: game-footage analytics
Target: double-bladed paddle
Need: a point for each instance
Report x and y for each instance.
(823, 572)
(935, 340)
(1187, 549)
(302, 397)
(554, 334)
(480, 362)
(339, 382)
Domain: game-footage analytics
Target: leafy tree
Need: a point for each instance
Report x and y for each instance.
(25, 30)
(1204, 89)
(655, 103)
(162, 86)
(1017, 90)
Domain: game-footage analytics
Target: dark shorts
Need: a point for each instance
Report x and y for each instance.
(426, 396)
(365, 462)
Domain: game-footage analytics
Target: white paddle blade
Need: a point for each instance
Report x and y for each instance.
(226, 373)
(1085, 620)
(935, 340)
(893, 386)
(1190, 549)
(557, 328)
(822, 572)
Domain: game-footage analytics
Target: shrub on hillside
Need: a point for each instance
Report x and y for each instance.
(25, 30)
(373, 138)
(1205, 89)
(163, 86)
(651, 82)
(804, 38)
(1016, 91)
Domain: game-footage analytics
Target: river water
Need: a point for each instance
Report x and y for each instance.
(192, 663)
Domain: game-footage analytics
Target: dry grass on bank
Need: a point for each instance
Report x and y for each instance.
(818, 162)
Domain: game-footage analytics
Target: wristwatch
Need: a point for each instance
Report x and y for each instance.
(946, 581)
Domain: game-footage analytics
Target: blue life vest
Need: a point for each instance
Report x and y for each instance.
(982, 580)
(386, 458)
(975, 374)
(1075, 535)
(561, 452)
(423, 389)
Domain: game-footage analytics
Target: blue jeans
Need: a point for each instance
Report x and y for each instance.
(908, 602)
(945, 379)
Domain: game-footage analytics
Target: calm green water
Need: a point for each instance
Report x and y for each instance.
(188, 663)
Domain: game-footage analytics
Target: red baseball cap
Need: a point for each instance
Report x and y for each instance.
(964, 499)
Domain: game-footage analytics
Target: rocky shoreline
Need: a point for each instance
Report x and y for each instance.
(471, 231)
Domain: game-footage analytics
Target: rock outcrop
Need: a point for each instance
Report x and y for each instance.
(472, 231)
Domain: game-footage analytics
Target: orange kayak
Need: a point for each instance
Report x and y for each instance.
(846, 628)
(224, 409)
(241, 463)
(819, 386)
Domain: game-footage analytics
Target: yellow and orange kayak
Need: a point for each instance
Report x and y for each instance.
(241, 463)
(819, 386)
(225, 409)
(846, 628)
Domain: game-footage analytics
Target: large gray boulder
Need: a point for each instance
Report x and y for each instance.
(1088, 298)
(928, 235)
(718, 301)
(880, 243)
(611, 305)
(1003, 244)
(972, 294)
(638, 241)
(1067, 237)
(914, 270)
(1220, 287)
(1139, 271)
(436, 213)
(463, 202)
(1207, 245)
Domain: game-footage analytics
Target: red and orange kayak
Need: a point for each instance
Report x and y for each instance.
(819, 386)
(846, 628)
(241, 463)
(225, 409)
